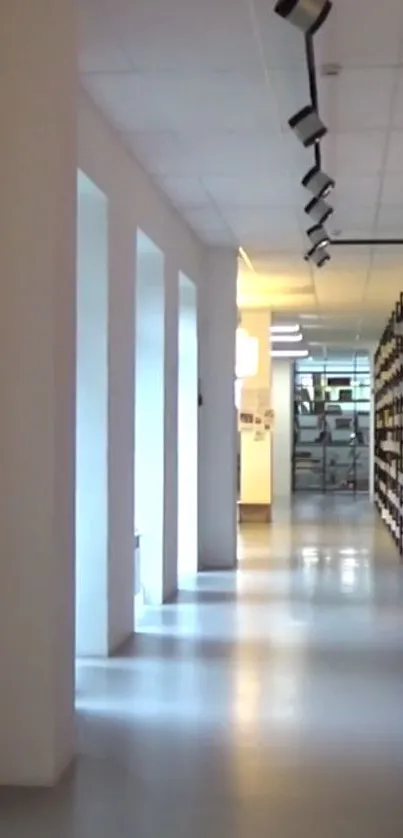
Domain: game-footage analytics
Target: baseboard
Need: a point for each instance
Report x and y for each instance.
(254, 513)
(205, 568)
(171, 596)
(117, 647)
(19, 782)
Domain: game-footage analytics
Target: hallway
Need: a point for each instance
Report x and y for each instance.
(265, 703)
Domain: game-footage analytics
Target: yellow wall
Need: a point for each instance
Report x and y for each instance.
(256, 454)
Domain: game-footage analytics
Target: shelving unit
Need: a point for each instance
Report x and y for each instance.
(332, 400)
(388, 458)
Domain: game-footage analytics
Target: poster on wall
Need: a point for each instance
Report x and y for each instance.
(255, 413)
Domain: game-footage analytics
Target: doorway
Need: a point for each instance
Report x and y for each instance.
(92, 421)
(187, 429)
(332, 421)
(149, 425)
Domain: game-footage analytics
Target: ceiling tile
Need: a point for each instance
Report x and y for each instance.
(291, 90)
(182, 36)
(254, 190)
(357, 99)
(383, 291)
(261, 240)
(350, 257)
(211, 101)
(99, 47)
(361, 33)
(160, 152)
(352, 216)
(394, 161)
(281, 45)
(398, 112)
(392, 189)
(248, 219)
(390, 220)
(184, 191)
(354, 153)
(205, 219)
(211, 155)
(386, 258)
(202, 93)
(280, 261)
(357, 190)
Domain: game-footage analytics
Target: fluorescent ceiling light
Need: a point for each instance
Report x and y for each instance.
(245, 258)
(285, 329)
(286, 338)
(289, 353)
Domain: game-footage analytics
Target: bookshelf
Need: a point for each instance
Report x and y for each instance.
(332, 403)
(388, 395)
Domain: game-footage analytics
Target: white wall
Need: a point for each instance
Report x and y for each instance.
(133, 202)
(37, 199)
(103, 158)
(37, 381)
(282, 436)
(217, 415)
(256, 454)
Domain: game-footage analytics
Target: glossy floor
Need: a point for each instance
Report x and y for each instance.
(265, 703)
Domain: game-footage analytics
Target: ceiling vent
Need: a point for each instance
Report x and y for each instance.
(331, 70)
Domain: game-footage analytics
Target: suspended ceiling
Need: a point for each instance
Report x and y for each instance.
(201, 92)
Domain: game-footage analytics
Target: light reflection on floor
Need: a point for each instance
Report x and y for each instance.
(264, 703)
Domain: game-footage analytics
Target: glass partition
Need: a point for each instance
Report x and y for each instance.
(332, 403)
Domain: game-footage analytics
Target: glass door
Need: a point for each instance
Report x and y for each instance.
(332, 400)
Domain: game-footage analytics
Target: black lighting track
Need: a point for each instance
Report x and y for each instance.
(366, 242)
(313, 89)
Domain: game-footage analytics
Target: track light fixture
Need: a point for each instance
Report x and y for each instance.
(319, 210)
(307, 126)
(307, 15)
(318, 183)
(319, 256)
(318, 238)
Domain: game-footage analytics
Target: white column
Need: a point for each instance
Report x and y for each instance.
(37, 385)
(217, 414)
(282, 434)
(256, 474)
(170, 548)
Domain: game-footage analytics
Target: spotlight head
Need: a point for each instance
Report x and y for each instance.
(318, 183)
(318, 255)
(319, 210)
(306, 15)
(318, 238)
(307, 126)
